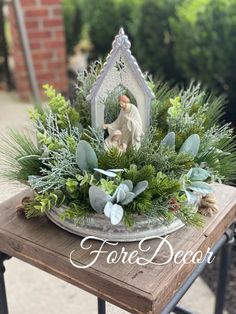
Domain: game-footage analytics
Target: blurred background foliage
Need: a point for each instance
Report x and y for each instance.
(177, 40)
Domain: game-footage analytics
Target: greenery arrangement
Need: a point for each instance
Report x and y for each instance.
(66, 163)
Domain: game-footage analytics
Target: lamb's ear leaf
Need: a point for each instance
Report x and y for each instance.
(85, 156)
(169, 140)
(129, 183)
(129, 198)
(201, 187)
(107, 209)
(191, 197)
(191, 145)
(98, 198)
(140, 187)
(117, 213)
(198, 174)
(121, 193)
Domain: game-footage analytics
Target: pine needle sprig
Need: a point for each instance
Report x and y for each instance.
(20, 156)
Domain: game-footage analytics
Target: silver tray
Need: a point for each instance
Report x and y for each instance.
(99, 226)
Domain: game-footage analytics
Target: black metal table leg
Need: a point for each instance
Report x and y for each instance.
(101, 306)
(223, 272)
(181, 310)
(3, 298)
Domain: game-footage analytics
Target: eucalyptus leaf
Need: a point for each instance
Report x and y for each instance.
(129, 183)
(200, 187)
(116, 214)
(191, 145)
(191, 197)
(129, 198)
(121, 193)
(198, 174)
(107, 209)
(85, 156)
(140, 187)
(169, 140)
(98, 198)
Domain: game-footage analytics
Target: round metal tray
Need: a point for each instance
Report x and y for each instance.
(99, 226)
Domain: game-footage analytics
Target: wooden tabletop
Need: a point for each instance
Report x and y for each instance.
(138, 289)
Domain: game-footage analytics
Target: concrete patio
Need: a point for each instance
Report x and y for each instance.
(32, 291)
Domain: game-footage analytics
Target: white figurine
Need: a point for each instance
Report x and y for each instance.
(114, 140)
(129, 123)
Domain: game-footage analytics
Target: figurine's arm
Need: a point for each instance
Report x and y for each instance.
(115, 125)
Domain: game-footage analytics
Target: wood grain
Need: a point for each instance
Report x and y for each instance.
(138, 289)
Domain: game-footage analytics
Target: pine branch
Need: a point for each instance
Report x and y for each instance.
(20, 156)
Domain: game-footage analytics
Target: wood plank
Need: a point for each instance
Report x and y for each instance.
(138, 289)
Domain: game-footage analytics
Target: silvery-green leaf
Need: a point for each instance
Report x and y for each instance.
(129, 183)
(140, 187)
(198, 174)
(116, 214)
(191, 145)
(124, 187)
(169, 140)
(85, 156)
(98, 198)
(105, 172)
(107, 209)
(116, 170)
(121, 193)
(191, 197)
(129, 198)
(200, 187)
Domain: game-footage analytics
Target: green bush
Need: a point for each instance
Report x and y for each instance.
(104, 18)
(103, 23)
(73, 22)
(205, 41)
(153, 40)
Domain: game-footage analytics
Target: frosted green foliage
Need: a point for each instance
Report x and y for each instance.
(52, 138)
(95, 136)
(85, 156)
(85, 81)
(57, 168)
(218, 152)
(191, 145)
(187, 111)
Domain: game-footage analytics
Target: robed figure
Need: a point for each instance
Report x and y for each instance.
(129, 124)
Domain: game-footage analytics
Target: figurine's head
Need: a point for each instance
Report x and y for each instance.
(124, 101)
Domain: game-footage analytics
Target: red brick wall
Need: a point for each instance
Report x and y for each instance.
(45, 29)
